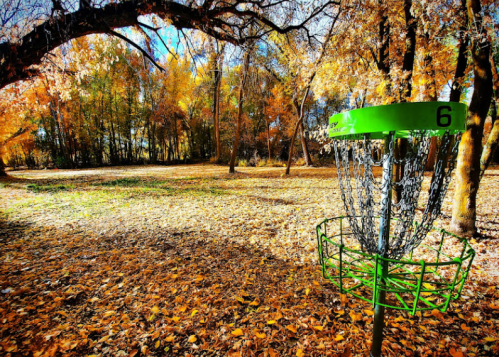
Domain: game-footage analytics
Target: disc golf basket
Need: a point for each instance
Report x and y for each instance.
(375, 252)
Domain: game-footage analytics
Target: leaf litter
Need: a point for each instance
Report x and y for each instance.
(190, 261)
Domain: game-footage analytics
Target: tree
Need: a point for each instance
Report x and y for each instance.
(19, 54)
(240, 101)
(470, 148)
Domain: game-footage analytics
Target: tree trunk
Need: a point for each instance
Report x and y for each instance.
(470, 148)
(462, 57)
(431, 92)
(304, 146)
(299, 112)
(268, 139)
(405, 92)
(2, 167)
(493, 140)
(490, 148)
(244, 74)
(217, 72)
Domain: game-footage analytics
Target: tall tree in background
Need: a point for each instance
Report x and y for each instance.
(240, 102)
(470, 148)
(217, 63)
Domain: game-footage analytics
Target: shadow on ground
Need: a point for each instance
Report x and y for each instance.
(176, 293)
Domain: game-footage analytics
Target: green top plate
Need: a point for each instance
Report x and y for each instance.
(434, 117)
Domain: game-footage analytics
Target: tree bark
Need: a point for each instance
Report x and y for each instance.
(217, 72)
(493, 139)
(244, 74)
(299, 111)
(405, 92)
(462, 57)
(306, 153)
(470, 148)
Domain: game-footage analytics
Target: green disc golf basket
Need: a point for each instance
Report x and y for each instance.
(375, 252)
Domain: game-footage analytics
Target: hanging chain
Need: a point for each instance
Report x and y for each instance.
(361, 189)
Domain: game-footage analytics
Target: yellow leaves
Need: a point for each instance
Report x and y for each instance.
(176, 318)
(307, 291)
(237, 332)
(369, 312)
(192, 339)
(339, 338)
(271, 322)
(343, 299)
(260, 335)
(318, 328)
(355, 317)
(255, 302)
(155, 309)
(291, 328)
(299, 353)
(194, 312)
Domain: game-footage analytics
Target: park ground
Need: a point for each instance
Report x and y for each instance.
(191, 261)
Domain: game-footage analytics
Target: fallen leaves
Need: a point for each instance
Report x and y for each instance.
(105, 279)
(237, 332)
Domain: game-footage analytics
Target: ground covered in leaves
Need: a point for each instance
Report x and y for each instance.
(189, 261)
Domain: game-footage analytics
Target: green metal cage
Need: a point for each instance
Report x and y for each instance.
(430, 277)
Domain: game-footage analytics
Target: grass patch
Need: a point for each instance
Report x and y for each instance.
(33, 187)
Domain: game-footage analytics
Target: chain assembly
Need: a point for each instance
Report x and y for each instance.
(362, 189)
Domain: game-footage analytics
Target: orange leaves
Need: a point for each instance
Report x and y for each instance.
(455, 353)
(192, 339)
(437, 314)
(369, 312)
(260, 335)
(355, 316)
(291, 328)
(237, 332)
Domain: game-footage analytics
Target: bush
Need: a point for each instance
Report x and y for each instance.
(300, 162)
(243, 163)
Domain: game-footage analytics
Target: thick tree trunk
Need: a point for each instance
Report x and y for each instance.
(470, 148)
(304, 146)
(244, 74)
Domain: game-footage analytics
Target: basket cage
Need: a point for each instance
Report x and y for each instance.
(429, 277)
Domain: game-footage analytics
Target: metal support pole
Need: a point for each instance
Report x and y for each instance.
(383, 244)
